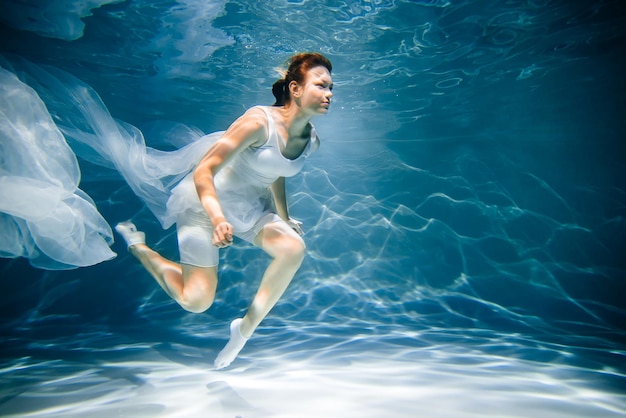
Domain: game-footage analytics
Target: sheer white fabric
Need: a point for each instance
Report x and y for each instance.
(43, 214)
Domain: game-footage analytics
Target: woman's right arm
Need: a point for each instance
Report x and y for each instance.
(248, 130)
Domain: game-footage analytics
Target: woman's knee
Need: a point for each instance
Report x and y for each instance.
(199, 288)
(197, 303)
(298, 247)
(280, 241)
(291, 247)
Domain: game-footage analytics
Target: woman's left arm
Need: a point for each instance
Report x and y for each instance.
(280, 198)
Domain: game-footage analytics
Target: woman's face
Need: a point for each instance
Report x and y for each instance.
(314, 96)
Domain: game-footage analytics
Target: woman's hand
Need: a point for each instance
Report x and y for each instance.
(222, 233)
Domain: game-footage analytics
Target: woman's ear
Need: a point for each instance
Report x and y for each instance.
(295, 89)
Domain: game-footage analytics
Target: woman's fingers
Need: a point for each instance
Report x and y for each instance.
(223, 235)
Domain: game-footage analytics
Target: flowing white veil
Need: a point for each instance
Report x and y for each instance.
(43, 214)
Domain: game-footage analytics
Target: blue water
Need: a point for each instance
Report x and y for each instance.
(465, 215)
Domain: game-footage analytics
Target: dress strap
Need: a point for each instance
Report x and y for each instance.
(271, 129)
(271, 133)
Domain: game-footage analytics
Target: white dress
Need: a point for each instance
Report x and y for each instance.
(243, 186)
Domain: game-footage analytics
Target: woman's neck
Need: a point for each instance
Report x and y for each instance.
(294, 120)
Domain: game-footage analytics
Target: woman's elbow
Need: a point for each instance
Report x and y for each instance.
(202, 175)
(198, 173)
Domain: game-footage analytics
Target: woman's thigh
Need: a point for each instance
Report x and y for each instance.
(200, 277)
(278, 238)
(195, 232)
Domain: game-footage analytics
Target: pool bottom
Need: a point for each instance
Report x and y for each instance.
(347, 379)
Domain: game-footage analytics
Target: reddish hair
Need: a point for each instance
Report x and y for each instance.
(299, 65)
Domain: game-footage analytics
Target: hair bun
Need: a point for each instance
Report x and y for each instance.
(278, 90)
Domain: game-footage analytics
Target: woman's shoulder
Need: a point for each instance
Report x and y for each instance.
(250, 128)
(255, 118)
(256, 114)
(255, 121)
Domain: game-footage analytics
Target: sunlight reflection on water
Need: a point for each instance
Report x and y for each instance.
(360, 376)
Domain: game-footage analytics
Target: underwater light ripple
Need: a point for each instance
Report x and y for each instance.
(391, 384)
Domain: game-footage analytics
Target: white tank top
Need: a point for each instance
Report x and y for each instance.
(243, 185)
(263, 165)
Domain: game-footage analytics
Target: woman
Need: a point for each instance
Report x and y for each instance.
(238, 189)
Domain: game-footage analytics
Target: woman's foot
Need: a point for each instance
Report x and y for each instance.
(232, 348)
(129, 232)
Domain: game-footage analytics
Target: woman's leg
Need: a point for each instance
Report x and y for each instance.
(191, 286)
(287, 249)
